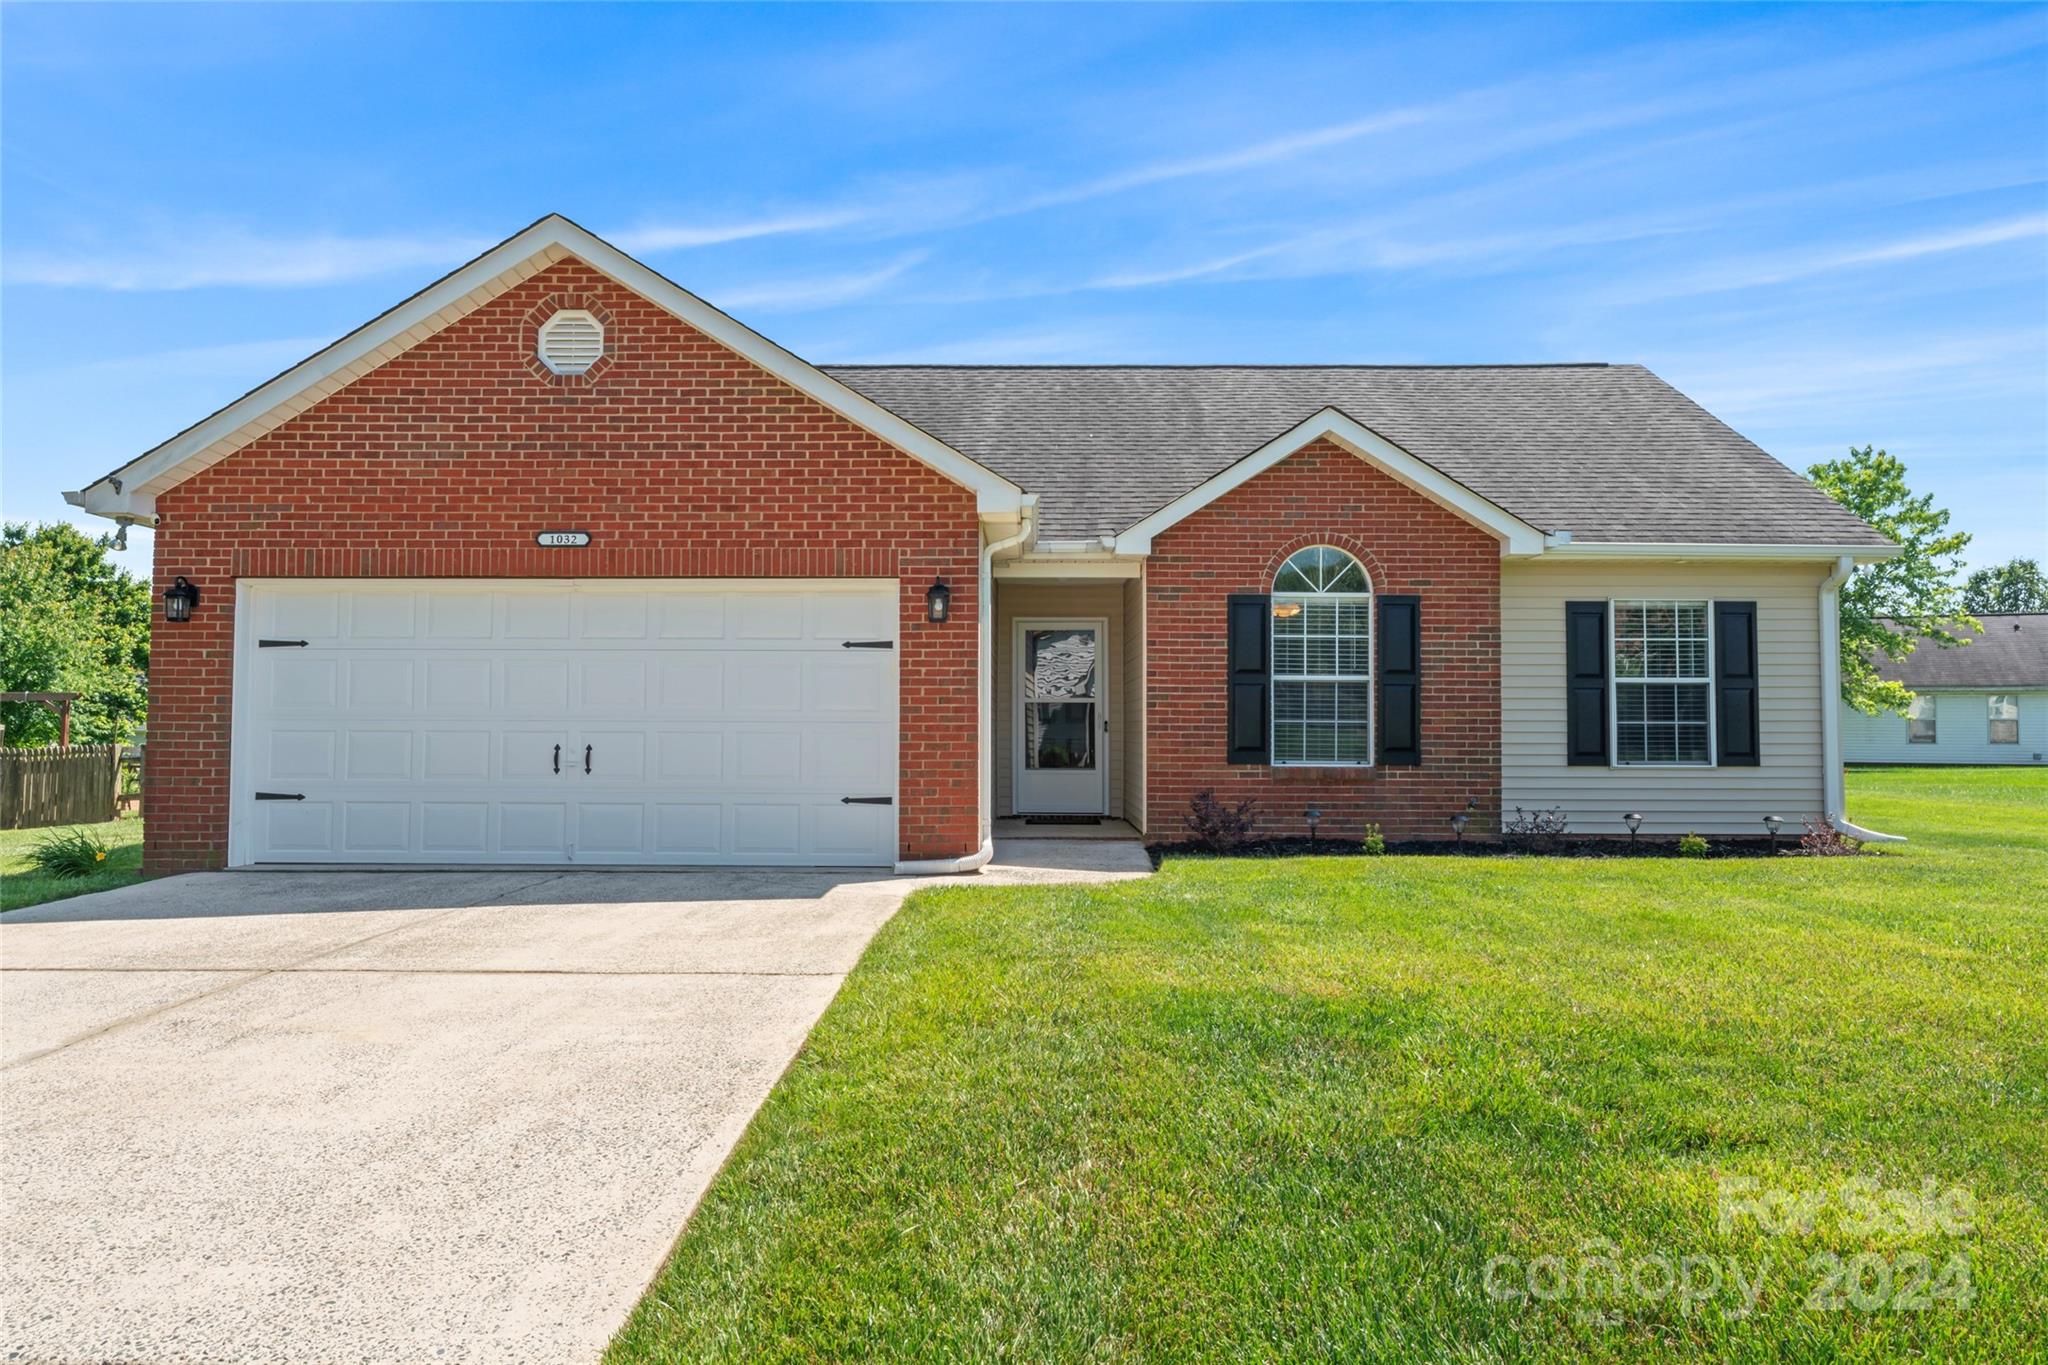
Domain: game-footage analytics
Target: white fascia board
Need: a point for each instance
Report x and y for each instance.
(1579, 549)
(1109, 568)
(1517, 537)
(509, 263)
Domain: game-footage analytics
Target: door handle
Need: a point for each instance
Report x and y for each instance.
(558, 758)
(586, 758)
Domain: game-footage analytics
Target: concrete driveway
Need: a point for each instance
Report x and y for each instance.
(386, 1116)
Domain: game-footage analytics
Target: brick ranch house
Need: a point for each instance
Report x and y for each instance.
(554, 562)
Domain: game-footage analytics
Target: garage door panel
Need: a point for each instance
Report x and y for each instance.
(420, 722)
(379, 756)
(380, 686)
(452, 828)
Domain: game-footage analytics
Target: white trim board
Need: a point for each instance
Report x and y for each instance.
(516, 259)
(1517, 537)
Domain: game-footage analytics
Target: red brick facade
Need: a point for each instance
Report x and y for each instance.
(681, 459)
(1324, 495)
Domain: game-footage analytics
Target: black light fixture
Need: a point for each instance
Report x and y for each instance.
(179, 599)
(1314, 817)
(1634, 821)
(938, 602)
(1772, 823)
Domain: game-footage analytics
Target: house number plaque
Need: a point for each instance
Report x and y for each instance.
(562, 538)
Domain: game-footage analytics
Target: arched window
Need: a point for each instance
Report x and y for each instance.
(1322, 659)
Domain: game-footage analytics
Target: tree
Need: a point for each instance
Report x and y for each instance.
(1887, 607)
(70, 621)
(2006, 588)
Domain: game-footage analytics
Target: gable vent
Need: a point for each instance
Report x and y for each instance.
(571, 341)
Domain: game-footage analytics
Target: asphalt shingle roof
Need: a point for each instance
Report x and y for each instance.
(2012, 652)
(1610, 453)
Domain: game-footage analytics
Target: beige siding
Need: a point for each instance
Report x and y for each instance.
(1059, 600)
(1134, 703)
(1672, 800)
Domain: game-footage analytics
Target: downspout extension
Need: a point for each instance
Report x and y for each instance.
(948, 867)
(1834, 792)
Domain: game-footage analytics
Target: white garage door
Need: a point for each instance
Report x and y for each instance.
(503, 721)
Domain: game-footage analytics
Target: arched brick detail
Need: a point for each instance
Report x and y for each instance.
(529, 337)
(1351, 545)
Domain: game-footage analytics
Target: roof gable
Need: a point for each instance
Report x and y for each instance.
(130, 491)
(1517, 537)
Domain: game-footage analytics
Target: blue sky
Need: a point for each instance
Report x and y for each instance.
(1829, 225)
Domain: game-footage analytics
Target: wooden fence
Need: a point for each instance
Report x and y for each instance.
(72, 784)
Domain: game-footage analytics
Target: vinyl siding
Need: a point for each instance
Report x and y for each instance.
(1059, 600)
(1962, 732)
(1672, 800)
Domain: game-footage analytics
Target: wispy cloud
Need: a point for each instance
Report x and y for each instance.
(1786, 267)
(213, 257)
(657, 237)
(816, 292)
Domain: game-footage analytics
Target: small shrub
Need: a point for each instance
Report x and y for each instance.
(1692, 846)
(69, 853)
(1823, 840)
(1374, 844)
(1535, 831)
(1216, 827)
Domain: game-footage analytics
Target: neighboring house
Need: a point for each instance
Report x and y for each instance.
(1389, 593)
(1984, 702)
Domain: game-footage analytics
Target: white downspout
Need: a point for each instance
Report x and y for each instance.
(984, 704)
(1834, 790)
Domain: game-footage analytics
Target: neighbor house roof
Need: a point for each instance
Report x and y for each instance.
(1607, 453)
(2010, 653)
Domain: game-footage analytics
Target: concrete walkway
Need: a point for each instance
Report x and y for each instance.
(347, 1116)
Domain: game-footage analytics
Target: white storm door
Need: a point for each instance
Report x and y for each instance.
(1059, 766)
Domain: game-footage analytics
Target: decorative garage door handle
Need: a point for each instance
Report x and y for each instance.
(558, 758)
(280, 644)
(867, 644)
(280, 796)
(586, 758)
(867, 800)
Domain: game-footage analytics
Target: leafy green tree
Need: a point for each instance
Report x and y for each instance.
(70, 621)
(2005, 588)
(1886, 607)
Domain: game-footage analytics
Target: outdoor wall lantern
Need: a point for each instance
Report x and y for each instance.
(179, 599)
(938, 602)
(1634, 821)
(1773, 823)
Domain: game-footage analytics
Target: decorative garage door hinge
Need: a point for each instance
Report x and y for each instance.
(280, 796)
(867, 800)
(867, 644)
(280, 644)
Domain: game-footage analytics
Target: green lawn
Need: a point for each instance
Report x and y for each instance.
(20, 886)
(1272, 1110)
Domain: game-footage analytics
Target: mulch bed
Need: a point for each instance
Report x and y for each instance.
(1646, 846)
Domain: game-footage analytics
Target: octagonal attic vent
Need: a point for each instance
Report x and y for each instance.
(571, 341)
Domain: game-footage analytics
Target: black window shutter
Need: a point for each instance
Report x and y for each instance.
(1400, 680)
(1735, 668)
(1251, 676)
(1585, 671)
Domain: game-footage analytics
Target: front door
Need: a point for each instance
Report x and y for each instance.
(1059, 764)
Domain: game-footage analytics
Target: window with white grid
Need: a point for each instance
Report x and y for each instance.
(1663, 682)
(1322, 660)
